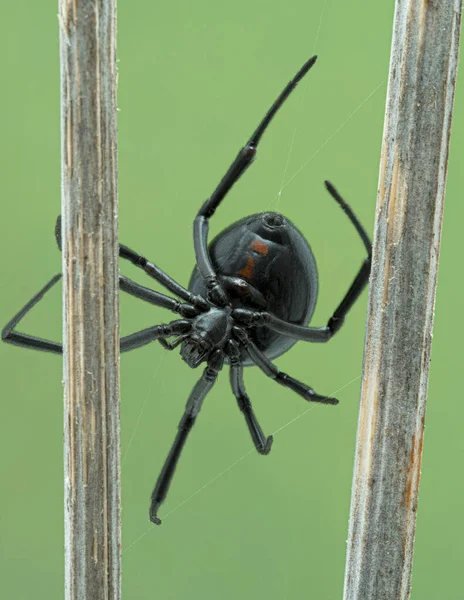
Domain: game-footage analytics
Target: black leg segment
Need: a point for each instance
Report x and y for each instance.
(159, 275)
(262, 443)
(148, 295)
(130, 342)
(150, 269)
(242, 161)
(28, 341)
(362, 277)
(194, 403)
(261, 360)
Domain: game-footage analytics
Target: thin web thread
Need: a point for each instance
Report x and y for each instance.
(279, 194)
(303, 98)
(149, 393)
(235, 463)
(284, 184)
(319, 26)
(306, 163)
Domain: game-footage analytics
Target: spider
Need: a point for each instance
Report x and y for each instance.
(250, 298)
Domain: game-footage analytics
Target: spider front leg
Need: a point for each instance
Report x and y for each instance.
(269, 368)
(148, 295)
(243, 160)
(262, 443)
(159, 275)
(23, 339)
(194, 403)
(130, 342)
(150, 269)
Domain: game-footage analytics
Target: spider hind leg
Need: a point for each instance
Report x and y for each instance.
(262, 443)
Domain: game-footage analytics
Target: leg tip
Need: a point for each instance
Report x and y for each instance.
(153, 516)
(314, 397)
(58, 232)
(332, 401)
(305, 68)
(266, 448)
(328, 400)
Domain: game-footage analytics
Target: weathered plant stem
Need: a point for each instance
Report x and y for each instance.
(90, 268)
(402, 295)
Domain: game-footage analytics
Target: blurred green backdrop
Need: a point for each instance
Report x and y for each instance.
(194, 80)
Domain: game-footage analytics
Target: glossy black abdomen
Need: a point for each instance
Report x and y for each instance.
(264, 262)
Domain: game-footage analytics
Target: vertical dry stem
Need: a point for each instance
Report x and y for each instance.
(402, 296)
(90, 267)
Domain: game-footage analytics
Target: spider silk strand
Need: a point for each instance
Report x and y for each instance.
(355, 111)
(233, 464)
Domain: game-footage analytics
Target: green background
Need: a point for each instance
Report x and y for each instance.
(194, 80)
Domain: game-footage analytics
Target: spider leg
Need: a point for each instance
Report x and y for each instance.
(241, 163)
(156, 273)
(172, 345)
(262, 443)
(127, 343)
(269, 368)
(28, 341)
(194, 403)
(145, 336)
(139, 291)
(148, 295)
(319, 334)
(150, 269)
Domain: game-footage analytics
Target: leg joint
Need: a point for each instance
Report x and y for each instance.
(187, 422)
(334, 325)
(243, 402)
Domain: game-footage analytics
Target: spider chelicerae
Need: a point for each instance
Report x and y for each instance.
(250, 298)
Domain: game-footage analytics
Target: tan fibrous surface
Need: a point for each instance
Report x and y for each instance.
(90, 268)
(402, 297)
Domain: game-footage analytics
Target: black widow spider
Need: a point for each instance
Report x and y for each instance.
(249, 299)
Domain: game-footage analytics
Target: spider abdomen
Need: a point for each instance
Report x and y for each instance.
(264, 262)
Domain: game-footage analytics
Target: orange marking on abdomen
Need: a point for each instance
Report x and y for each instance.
(247, 270)
(259, 247)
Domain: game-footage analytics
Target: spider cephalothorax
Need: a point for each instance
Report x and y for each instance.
(210, 331)
(250, 298)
